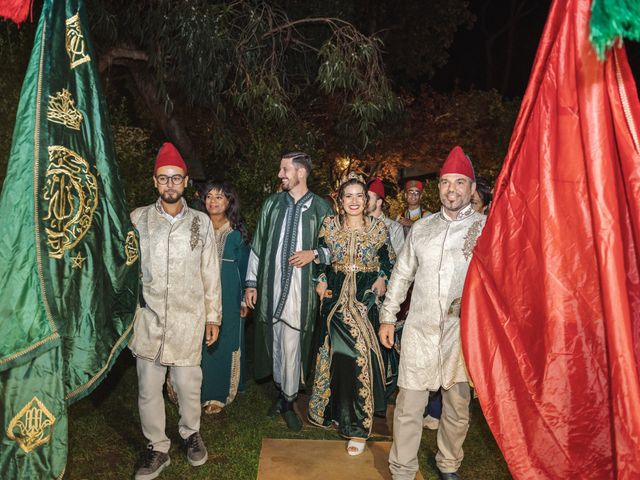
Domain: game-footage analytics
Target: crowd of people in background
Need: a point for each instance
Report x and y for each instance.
(358, 307)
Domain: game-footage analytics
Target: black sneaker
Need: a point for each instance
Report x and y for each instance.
(151, 464)
(196, 451)
(293, 421)
(276, 407)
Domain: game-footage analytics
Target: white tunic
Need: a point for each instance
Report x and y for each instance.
(396, 233)
(436, 255)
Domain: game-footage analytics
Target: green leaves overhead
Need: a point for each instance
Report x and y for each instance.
(249, 58)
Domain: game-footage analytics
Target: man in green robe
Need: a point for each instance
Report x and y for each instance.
(279, 283)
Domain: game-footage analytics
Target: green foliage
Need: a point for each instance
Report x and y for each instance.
(254, 167)
(135, 157)
(416, 34)
(247, 60)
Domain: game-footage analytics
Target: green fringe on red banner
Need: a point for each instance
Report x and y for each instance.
(612, 21)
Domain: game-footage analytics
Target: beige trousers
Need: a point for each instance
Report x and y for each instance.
(407, 430)
(187, 382)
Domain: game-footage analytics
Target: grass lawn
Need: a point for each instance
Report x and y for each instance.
(105, 438)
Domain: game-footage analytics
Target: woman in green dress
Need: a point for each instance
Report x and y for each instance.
(349, 385)
(223, 363)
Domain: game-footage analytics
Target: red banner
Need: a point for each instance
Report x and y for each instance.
(551, 307)
(16, 10)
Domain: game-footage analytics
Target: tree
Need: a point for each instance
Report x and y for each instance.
(239, 63)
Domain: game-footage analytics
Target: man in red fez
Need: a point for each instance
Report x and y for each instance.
(435, 257)
(413, 196)
(374, 208)
(181, 292)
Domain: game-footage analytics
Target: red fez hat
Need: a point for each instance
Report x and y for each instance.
(169, 156)
(376, 187)
(413, 184)
(458, 162)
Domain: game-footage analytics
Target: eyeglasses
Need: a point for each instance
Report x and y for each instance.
(164, 179)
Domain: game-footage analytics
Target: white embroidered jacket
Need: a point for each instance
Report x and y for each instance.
(180, 285)
(436, 254)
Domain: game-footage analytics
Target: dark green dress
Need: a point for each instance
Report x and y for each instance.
(351, 364)
(223, 363)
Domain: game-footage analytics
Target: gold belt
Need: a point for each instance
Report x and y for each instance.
(355, 268)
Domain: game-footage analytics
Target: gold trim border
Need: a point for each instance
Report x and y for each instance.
(36, 184)
(82, 388)
(30, 348)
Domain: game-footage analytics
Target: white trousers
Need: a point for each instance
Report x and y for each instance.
(186, 381)
(407, 430)
(286, 359)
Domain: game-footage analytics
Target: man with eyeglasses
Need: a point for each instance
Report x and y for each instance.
(280, 286)
(180, 305)
(413, 196)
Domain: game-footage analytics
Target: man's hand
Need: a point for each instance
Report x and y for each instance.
(405, 222)
(321, 289)
(379, 287)
(211, 333)
(302, 258)
(250, 297)
(386, 333)
(244, 311)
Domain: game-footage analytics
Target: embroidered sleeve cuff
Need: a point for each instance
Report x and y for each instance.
(324, 256)
(250, 284)
(218, 323)
(384, 321)
(321, 278)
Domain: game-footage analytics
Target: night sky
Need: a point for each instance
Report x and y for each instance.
(467, 66)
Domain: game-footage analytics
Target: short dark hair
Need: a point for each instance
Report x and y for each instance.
(301, 160)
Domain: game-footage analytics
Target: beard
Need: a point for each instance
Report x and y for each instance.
(456, 205)
(171, 196)
(289, 183)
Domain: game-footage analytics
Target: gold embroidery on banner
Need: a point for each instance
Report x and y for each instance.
(71, 191)
(78, 260)
(62, 109)
(33, 424)
(75, 42)
(131, 248)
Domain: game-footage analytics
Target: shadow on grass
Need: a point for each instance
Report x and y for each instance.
(105, 438)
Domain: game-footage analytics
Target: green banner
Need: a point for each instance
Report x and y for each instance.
(68, 253)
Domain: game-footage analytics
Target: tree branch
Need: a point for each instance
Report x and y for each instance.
(113, 55)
